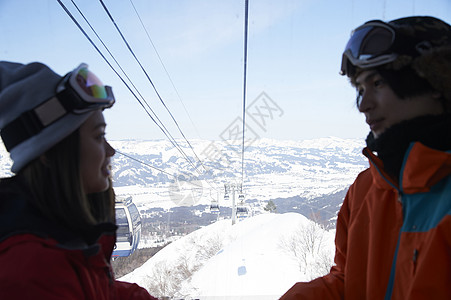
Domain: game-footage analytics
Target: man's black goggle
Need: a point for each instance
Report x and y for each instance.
(78, 92)
(373, 44)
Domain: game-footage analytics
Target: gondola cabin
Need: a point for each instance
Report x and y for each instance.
(214, 208)
(241, 198)
(128, 233)
(242, 211)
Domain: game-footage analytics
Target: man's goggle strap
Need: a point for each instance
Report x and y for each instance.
(373, 44)
(78, 92)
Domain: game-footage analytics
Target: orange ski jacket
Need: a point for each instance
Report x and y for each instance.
(393, 241)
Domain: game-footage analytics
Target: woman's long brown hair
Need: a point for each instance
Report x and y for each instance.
(55, 181)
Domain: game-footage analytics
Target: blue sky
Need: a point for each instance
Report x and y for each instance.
(294, 53)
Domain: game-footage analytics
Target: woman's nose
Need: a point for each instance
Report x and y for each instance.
(109, 150)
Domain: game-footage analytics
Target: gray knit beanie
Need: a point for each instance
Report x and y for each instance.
(23, 88)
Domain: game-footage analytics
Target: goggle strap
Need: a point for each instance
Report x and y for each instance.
(406, 45)
(32, 122)
(109, 91)
(20, 129)
(71, 99)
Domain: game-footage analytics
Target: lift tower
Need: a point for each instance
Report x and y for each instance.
(232, 188)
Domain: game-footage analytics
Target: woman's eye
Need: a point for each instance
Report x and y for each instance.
(379, 82)
(101, 136)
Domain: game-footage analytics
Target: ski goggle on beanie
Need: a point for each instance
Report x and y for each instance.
(39, 108)
(377, 43)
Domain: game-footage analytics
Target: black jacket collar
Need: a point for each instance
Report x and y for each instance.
(390, 146)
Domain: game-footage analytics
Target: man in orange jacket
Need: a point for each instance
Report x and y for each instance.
(393, 238)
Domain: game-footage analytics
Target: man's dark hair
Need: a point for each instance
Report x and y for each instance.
(405, 83)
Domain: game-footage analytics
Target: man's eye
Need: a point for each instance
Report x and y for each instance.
(359, 96)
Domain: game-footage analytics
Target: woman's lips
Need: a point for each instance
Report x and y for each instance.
(106, 170)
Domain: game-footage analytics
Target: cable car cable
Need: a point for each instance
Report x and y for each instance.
(153, 167)
(118, 64)
(112, 56)
(156, 91)
(171, 139)
(150, 80)
(164, 67)
(246, 22)
(162, 125)
(146, 164)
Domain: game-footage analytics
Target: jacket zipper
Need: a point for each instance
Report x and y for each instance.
(391, 280)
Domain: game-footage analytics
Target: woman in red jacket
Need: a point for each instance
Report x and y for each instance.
(393, 238)
(57, 227)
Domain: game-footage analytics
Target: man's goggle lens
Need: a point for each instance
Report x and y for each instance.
(369, 46)
(370, 42)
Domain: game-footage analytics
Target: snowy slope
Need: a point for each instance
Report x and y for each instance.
(249, 260)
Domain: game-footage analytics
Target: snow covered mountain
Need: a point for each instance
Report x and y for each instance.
(272, 169)
(257, 258)
(298, 175)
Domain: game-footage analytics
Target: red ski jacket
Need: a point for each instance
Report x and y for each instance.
(41, 261)
(393, 241)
